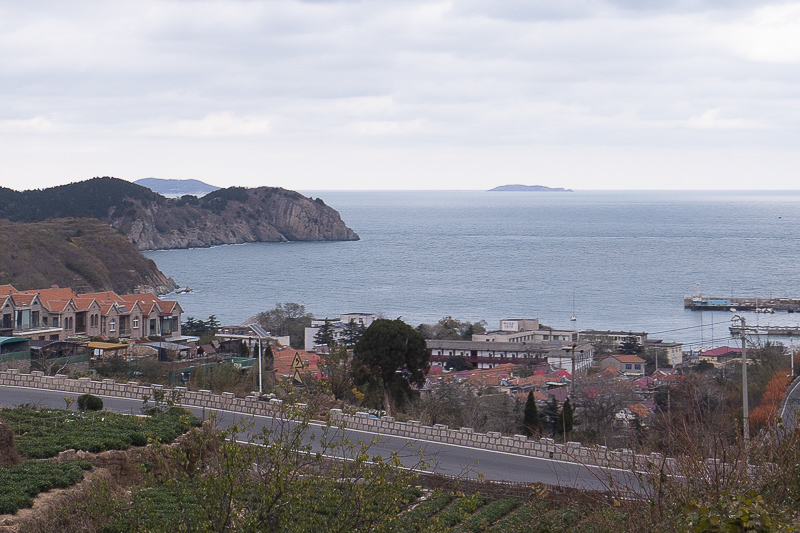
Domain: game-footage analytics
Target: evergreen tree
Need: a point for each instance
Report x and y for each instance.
(565, 419)
(390, 356)
(352, 333)
(324, 336)
(530, 421)
(549, 418)
(630, 346)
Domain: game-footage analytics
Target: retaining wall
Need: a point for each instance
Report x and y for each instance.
(517, 444)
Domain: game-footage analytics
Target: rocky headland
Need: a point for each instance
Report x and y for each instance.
(88, 235)
(152, 222)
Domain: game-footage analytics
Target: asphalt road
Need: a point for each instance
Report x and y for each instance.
(446, 458)
(791, 406)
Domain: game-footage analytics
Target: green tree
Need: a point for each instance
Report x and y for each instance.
(287, 319)
(565, 419)
(391, 355)
(630, 346)
(449, 328)
(549, 418)
(335, 367)
(325, 334)
(352, 333)
(530, 421)
(458, 363)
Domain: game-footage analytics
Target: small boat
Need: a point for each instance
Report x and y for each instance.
(185, 289)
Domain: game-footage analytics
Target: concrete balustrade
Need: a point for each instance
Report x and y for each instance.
(413, 429)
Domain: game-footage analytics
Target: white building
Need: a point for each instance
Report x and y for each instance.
(526, 330)
(483, 354)
(337, 326)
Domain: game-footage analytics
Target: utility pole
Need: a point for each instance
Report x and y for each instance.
(745, 408)
(260, 370)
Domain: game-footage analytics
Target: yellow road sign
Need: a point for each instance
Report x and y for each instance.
(296, 379)
(296, 362)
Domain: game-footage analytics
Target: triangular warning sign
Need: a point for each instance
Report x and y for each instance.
(296, 379)
(296, 362)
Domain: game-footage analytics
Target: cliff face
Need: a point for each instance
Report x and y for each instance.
(83, 254)
(233, 216)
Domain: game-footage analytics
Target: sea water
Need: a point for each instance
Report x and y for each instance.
(614, 260)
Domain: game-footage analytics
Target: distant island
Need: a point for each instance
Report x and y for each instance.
(171, 188)
(529, 188)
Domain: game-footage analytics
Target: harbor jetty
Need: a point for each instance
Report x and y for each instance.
(759, 305)
(781, 331)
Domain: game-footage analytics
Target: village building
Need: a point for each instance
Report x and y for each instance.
(338, 328)
(720, 355)
(60, 314)
(526, 330)
(672, 350)
(627, 365)
(483, 354)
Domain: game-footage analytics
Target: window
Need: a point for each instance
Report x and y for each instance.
(627, 367)
(112, 326)
(136, 322)
(638, 367)
(55, 321)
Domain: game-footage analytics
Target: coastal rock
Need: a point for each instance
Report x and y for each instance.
(264, 214)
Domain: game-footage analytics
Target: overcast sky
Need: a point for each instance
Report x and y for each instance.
(467, 94)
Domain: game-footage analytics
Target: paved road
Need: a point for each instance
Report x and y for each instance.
(791, 406)
(448, 459)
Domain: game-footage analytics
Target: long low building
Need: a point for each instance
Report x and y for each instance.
(485, 354)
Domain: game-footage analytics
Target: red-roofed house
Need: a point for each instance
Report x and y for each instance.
(721, 355)
(57, 314)
(628, 365)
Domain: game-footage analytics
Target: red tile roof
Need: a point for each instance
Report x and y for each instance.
(722, 351)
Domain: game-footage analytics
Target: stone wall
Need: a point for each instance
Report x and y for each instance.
(517, 444)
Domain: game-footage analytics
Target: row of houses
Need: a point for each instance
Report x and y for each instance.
(61, 313)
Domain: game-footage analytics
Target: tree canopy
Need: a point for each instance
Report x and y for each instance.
(390, 355)
(449, 328)
(287, 319)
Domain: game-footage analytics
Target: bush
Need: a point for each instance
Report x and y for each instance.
(89, 402)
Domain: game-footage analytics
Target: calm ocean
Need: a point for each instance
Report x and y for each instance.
(628, 258)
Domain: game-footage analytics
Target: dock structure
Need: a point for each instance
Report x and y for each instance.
(762, 305)
(781, 331)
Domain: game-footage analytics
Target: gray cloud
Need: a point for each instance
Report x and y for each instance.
(147, 86)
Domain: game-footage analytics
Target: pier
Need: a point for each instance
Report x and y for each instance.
(759, 305)
(782, 331)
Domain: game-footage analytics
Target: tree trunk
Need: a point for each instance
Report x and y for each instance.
(388, 401)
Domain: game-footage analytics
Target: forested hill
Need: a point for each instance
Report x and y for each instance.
(151, 221)
(83, 254)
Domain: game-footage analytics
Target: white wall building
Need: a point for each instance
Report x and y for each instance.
(526, 330)
(338, 327)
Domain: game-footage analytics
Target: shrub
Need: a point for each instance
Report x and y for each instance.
(89, 402)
